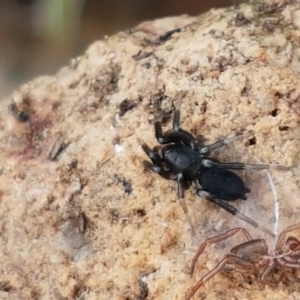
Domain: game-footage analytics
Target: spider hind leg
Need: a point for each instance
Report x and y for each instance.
(232, 210)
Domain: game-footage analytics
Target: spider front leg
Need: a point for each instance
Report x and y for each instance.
(229, 259)
(157, 163)
(176, 135)
(157, 166)
(216, 239)
(179, 136)
(232, 210)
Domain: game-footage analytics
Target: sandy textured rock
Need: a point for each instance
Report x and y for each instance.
(80, 216)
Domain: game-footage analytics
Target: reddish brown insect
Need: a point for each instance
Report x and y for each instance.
(254, 255)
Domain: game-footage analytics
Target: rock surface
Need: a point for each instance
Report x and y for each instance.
(81, 218)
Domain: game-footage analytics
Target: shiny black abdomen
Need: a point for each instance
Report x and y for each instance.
(224, 184)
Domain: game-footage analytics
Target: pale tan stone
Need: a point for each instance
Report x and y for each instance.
(240, 70)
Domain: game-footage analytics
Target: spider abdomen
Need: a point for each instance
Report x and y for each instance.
(223, 184)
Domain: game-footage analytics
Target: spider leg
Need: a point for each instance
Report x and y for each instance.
(152, 153)
(240, 166)
(289, 264)
(157, 165)
(292, 277)
(223, 142)
(282, 237)
(180, 193)
(176, 135)
(179, 136)
(158, 169)
(217, 239)
(229, 258)
(265, 276)
(176, 118)
(232, 210)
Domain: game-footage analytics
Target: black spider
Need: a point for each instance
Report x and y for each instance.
(187, 160)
